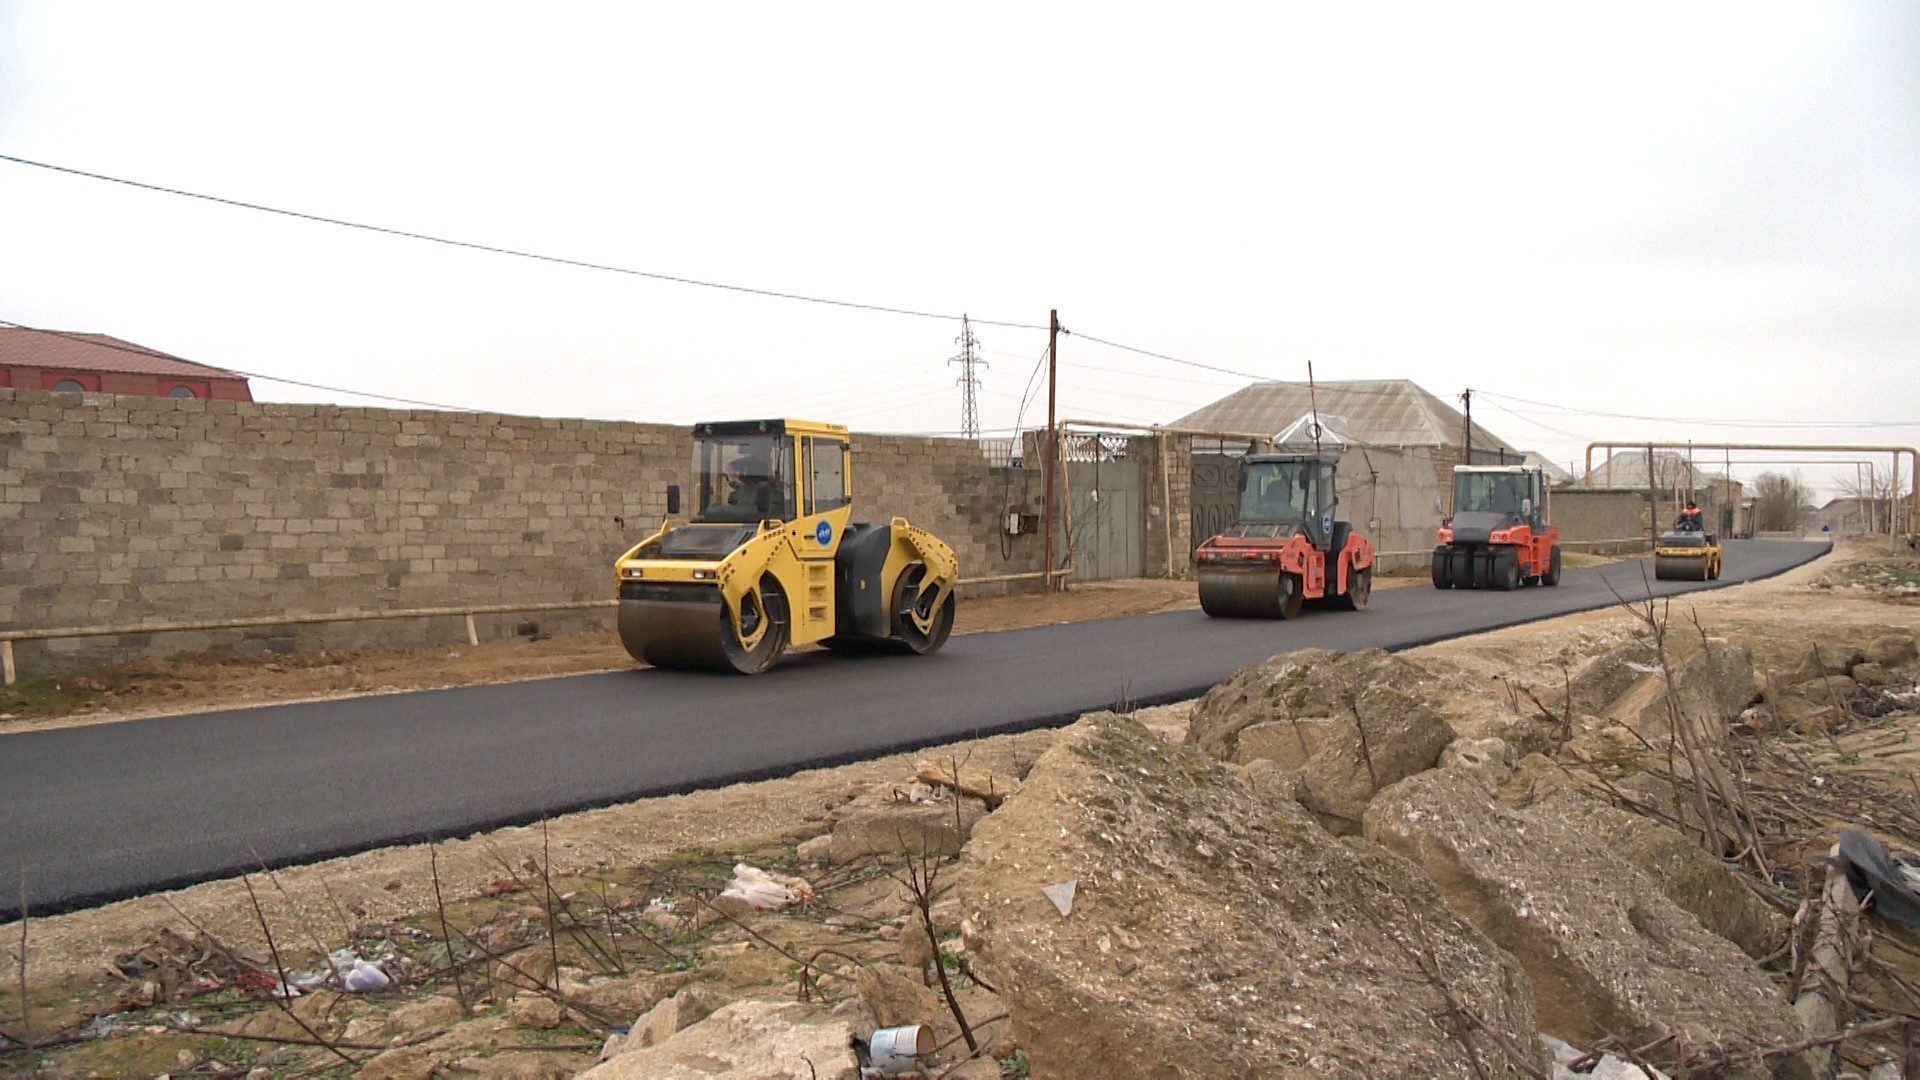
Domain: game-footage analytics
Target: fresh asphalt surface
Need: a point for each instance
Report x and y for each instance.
(100, 812)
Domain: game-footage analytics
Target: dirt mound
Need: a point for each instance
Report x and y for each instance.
(1137, 903)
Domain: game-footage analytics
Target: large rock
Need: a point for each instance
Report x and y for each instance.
(978, 781)
(1701, 884)
(1890, 650)
(1602, 680)
(1607, 951)
(747, 1040)
(1815, 704)
(886, 821)
(1299, 685)
(1821, 660)
(1386, 738)
(1287, 743)
(693, 1003)
(1212, 932)
(1713, 682)
(1713, 679)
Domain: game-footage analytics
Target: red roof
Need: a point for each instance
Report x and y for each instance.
(22, 347)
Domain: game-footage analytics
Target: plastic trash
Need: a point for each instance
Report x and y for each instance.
(363, 977)
(763, 891)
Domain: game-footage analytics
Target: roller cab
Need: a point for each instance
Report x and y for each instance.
(770, 559)
(1287, 546)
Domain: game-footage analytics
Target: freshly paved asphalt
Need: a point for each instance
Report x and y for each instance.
(96, 813)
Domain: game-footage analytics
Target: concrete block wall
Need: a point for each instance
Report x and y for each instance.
(120, 510)
(1600, 514)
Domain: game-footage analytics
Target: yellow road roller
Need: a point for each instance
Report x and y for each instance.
(1686, 555)
(770, 558)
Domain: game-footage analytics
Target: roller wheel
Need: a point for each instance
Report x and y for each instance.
(1295, 599)
(909, 602)
(1506, 570)
(1359, 588)
(772, 608)
(1441, 578)
(1552, 576)
(1713, 574)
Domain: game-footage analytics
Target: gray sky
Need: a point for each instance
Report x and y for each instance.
(1704, 211)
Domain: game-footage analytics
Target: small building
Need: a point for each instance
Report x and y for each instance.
(55, 360)
(1392, 414)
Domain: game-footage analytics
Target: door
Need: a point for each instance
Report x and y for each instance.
(1215, 495)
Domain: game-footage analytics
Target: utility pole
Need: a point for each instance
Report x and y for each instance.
(1466, 400)
(1653, 504)
(968, 382)
(1053, 450)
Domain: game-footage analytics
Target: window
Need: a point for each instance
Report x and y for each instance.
(176, 389)
(181, 392)
(71, 382)
(829, 486)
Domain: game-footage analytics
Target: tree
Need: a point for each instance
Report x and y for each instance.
(1777, 501)
(1873, 497)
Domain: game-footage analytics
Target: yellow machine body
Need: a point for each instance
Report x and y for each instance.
(770, 558)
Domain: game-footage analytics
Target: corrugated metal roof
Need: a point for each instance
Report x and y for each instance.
(1629, 470)
(1382, 412)
(95, 352)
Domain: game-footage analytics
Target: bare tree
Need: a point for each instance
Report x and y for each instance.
(1777, 500)
(1873, 497)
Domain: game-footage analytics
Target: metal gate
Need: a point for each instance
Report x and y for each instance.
(1216, 496)
(1106, 523)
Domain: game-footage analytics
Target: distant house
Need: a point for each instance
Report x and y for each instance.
(49, 360)
(1381, 413)
(1850, 516)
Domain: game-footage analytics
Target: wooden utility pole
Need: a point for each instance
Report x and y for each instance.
(1053, 450)
(1653, 503)
(1466, 401)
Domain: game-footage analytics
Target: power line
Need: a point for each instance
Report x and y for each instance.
(495, 250)
(1717, 422)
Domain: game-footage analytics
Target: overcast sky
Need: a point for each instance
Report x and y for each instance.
(1706, 212)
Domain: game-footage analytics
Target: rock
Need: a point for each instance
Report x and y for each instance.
(1868, 673)
(1492, 760)
(819, 849)
(1298, 685)
(977, 781)
(878, 824)
(915, 947)
(1534, 777)
(1602, 680)
(1403, 737)
(1815, 704)
(747, 1040)
(976, 1069)
(1690, 877)
(431, 1012)
(620, 1000)
(405, 1063)
(522, 1065)
(1822, 660)
(1269, 781)
(692, 1004)
(538, 1012)
(364, 1029)
(1890, 650)
(898, 996)
(1713, 683)
(1287, 743)
(1606, 950)
(524, 970)
(1266, 946)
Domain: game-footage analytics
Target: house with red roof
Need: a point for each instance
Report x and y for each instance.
(55, 360)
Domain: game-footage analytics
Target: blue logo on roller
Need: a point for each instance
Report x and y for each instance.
(1326, 524)
(823, 532)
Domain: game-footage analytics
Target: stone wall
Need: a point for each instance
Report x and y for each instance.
(1590, 516)
(119, 510)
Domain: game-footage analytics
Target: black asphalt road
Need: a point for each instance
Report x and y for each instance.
(91, 814)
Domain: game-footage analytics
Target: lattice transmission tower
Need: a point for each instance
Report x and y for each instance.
(969, 381)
